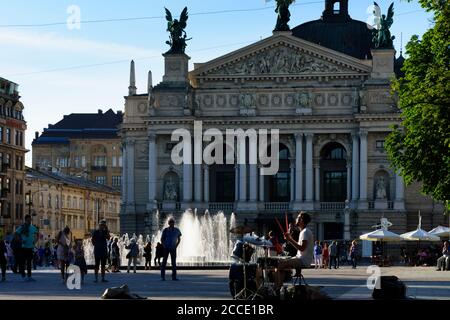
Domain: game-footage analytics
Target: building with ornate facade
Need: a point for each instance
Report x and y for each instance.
(56, 200)
(85, 145)
(12, 156)
(327, 91)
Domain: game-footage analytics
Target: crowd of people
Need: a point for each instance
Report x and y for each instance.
(23, 253)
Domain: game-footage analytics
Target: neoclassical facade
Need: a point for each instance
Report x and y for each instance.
(332, 105)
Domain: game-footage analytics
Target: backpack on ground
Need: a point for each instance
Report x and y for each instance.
(391, 288)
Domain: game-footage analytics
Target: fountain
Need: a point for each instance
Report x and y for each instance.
(206, 240)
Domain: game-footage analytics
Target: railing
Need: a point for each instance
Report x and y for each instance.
(276, 206)
(221, 206)
(332, 206)
(390, 205)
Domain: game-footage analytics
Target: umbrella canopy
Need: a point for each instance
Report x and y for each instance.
(440, 231)
(419, 235)
(380, 235)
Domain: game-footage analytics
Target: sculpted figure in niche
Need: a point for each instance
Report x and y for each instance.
(381, 188)
(171, 190)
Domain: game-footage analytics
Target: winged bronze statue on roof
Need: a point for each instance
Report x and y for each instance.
(284, 15)
(178, 36)
(382, 38)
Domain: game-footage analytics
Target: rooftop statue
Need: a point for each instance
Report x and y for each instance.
(283, 15)
(176, 28)
(382, 38)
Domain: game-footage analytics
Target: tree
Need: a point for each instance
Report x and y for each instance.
(419, 149)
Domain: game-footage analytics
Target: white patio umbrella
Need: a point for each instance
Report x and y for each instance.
(440, 231)
(380, 235)
(419, 235)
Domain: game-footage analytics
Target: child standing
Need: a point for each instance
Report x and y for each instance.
(80, 261)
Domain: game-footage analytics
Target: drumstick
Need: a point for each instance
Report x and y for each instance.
(279, 225)
(287, 224)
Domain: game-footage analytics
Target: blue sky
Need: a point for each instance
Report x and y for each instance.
(40, 59)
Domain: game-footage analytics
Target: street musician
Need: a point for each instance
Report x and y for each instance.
(305, 250)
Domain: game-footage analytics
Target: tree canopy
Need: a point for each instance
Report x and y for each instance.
(420, 147)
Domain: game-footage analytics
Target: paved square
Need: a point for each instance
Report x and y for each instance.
(344, 283)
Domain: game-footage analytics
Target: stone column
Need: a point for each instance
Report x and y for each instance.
(309, 167)
(198, 182)
(187, 173)
(355, 167)
(292, 181)
(152, 168)
(198, 161)
(205, 183)
(261, 185)
(124, 175)
(317, 184)
(347, 221)
(130, 171)
(299, 167)
(349, 184)
(363, 171)
(253, 175)
(236, 183)
(399, 203)
(242, 162)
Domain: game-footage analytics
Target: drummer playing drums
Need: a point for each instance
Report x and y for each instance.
(305, 247)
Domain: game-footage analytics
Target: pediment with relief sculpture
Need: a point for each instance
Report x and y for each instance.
(280, 56)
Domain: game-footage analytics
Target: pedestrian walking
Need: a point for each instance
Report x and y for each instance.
(317, 255)
(132, 256)
(64, 239)
(148, 255)
(333, 255)
(159, 253)
(28, 234)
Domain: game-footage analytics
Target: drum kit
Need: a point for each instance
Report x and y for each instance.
(249, 280)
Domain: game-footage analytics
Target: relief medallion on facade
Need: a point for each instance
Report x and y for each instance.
(263, 100)
(221, 100)
(142, 108)
(208, 101)
(234, 100)
(277, 100)
(333, 99)
(319, 99)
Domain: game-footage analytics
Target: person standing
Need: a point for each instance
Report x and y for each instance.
(170, 240)
(3, 259)
(16, 247)
(159, 253)
(148, 255)
(338, 253)
(28, 234)
(64, 239)
(100, 241)
(333, 254)
(80, 261)
(132, 256)
(325, 255)
(317, 255)
(10, 255)
(353, 253)
(115, 256)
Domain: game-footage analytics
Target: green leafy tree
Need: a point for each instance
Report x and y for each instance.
(420, 147)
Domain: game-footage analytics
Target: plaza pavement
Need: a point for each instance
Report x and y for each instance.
(344, 283)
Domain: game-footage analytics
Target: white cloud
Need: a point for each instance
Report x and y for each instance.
(53, 41)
